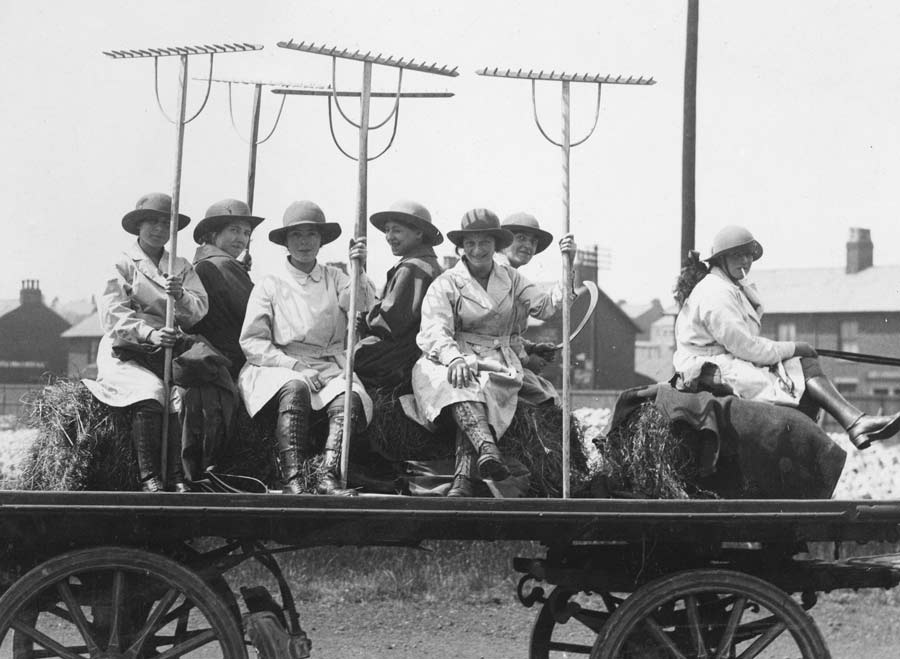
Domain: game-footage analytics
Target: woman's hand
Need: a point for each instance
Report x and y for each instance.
(310, 375)
(358, 249)
(803, 349)
(567, 245)
(459, 374)
(164, 337)
(173, 286)
(546, 351)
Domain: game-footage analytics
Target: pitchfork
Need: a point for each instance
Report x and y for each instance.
(568, 271)
(183, 52)
(362, 158)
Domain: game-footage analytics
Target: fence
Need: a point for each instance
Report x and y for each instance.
(11, 397)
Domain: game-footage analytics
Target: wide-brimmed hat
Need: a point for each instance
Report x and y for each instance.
(221, 214)
(732, 237)
(412, 214)
(525, 223)
(152, 206)
(305, 213)
(481, 220)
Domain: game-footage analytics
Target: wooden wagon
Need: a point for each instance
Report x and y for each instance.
(115, 575)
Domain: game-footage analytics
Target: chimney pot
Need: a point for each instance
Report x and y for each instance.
(30, 294)
(860, 250)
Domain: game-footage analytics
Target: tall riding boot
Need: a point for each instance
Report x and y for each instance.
(471, 419)
(174, 462)
(862, 428)
(329, 481)
(463, 484)
(146, 429)
(292, 432)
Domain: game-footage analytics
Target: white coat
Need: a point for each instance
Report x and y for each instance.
(131, 305)
(299, 318)
(462, 319)
(719, 324)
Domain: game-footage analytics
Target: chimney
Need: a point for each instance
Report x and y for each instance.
(450, 262)
(859, 250)
(587, 265)
(30, 295)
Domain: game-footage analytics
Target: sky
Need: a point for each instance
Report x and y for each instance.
(797, 126)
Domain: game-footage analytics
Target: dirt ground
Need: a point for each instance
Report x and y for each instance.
(854, 626)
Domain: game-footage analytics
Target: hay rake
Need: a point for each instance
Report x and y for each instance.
(566, 144)
(183, 53)
(362, 158)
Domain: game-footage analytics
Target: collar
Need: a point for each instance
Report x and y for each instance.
(502, 258)
(422, 251)
(315, 274)
(207, 251)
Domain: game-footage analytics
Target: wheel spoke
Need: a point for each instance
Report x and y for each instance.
(693, 617)
(574, 648)
(727, 640)
(763, 641)
(118, 596)
(65, 592)
(657, 632)
(44, 640)
(200, 638)
(165, 602)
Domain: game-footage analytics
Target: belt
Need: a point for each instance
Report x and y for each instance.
(485, 340)
(704, 351)
(298, 349)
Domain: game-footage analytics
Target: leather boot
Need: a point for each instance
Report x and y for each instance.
(174, 463)
(471, 419)
(329, 481)
(292, 432)
(862, 428)
(146, 429)
(463, 484)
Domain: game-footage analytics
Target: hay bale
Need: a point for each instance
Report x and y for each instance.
(648, 457)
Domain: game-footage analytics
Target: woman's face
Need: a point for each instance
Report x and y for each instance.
(303, 243)
(479, 248)
(233, 238)
(737, 263)
(522, 249)
(154, 233)
(402, 238)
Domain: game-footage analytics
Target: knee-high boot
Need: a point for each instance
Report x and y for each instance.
(292, 432)
(146, 432)
(463, 484)
(862, 428)
(329, 481)
(174, 459)
(471, 419)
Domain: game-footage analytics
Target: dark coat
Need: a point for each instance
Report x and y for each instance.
(228, 287)
(386, 356)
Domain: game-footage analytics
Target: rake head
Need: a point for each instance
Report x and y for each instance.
(385, 60)
(205, 49)
(522, 74)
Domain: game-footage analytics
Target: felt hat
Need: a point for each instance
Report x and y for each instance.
(412, 214)
(305, 214)
(220, 214)
(481, 220)
(732, 237)
(525, 223)
(152, 206)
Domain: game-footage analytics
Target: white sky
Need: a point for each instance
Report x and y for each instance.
(797, 126)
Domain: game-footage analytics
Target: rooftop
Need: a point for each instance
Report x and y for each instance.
(829, 290)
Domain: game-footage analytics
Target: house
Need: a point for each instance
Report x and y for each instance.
(82, 340)
(653, 355)
(854, 308)
(30, 342)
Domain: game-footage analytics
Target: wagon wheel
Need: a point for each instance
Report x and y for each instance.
(568, 623)
(714, 614)
(116, 603)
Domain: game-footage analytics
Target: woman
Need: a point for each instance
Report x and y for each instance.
(468, 364)
(294, 337)
(221, 261)
(718, 342)
(132, 310)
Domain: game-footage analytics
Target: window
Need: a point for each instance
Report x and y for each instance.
(787, 331)
(849, 336)
(881, 391)
(846, 385)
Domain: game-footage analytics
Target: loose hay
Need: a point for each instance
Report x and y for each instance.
(83, 444)
(648, 457)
